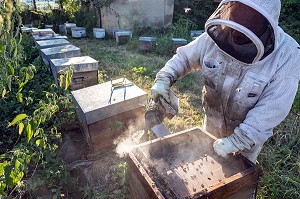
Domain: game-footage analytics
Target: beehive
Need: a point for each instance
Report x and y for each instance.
(147, 44)
(184, 165)
(51, 43)
(43, 32)
(123, 36)
(48, 37)
(78, 32)
(57, 52)
(196, 33)
(85, 71)
(99, 33)
(27, 30)
(106, 113)
(177, 42)
(68, 28)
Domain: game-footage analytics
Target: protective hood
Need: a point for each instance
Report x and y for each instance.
(245, 29)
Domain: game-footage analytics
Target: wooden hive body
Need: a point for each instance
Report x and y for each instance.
(123, 36)
(85, 71)
(103, 120)
(184, 165)
(147, 44)
(177, 42)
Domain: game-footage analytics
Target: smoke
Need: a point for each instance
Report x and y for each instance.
(127, 140)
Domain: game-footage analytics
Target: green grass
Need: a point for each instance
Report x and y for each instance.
(279, 159)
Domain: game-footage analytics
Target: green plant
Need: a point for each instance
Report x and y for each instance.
(30, 110)
(279, 160)
(65, 76)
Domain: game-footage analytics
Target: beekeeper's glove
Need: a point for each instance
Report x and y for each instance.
(161, 87)
(224, 146)
(238, 141)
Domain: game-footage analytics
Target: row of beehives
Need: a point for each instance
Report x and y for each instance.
(98, 106)
(121, 36)
(180, 165)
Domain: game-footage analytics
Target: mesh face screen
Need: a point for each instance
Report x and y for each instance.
(233, 41)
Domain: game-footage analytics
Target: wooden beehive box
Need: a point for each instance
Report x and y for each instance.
(48, 37)
(58, 52)
(42, 32)
(105, 115)
(78, 32)
(85, 71)
(68, 28)
(177, 42)
(123, 36)
(147, 44)
(184, 165)
(51, 43)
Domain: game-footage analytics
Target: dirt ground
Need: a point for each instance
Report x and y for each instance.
(100, 175)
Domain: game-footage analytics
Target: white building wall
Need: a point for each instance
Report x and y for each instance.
(143, 13)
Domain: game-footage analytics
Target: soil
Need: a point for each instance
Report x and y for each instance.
(101, 174)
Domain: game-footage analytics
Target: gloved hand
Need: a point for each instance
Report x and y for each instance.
(161, 87)
(224, 146)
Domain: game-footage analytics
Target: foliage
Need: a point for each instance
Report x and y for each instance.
(290, 22)
(280, 160)
(31, 110)
(290, 18)
(86, 17)
(182, 27)
(70, 7)
(195, 11)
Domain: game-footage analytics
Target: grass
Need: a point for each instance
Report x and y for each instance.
(279, 159)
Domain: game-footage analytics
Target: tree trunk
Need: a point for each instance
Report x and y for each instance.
(98, 15)
(34, 5)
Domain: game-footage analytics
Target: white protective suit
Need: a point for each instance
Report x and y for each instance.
(249, 86)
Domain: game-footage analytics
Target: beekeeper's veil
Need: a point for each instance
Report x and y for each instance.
(245, 29)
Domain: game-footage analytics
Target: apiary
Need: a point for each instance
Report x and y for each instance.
(123, 36)
(184, 165)
(78, 32)
(51, 43)
(57, 52)
(147, 44)
(109, 110)
(177, 42)
(85, 71)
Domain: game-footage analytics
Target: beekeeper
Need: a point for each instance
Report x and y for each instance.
(250, 70)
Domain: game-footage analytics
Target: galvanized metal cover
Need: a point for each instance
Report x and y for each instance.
(149, 39)
(59, 49)
(81, 64)
(179, 41)
(51, 43)
(43, 31)
(93, 103)
(48, 37)
(124, 33)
